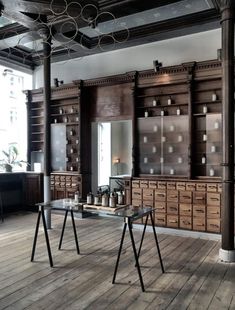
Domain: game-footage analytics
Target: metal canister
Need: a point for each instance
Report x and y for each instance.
(112, 200)
(89, 199)
(120, 198)
(105, 200)
(97, 200)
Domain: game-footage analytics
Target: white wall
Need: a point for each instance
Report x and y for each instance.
(198, 47)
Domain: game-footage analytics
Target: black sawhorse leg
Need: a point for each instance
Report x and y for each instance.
(74, 230)
(129, 223)
(155, 237)
(41, 213)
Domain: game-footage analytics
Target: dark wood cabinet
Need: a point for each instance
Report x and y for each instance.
(33, 188)
(177, 140)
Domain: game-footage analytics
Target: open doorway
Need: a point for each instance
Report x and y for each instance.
(111, 151)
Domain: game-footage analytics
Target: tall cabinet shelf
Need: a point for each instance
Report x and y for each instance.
(65, 118)
(207, 117)
(163, 124)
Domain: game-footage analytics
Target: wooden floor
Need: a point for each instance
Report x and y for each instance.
(194, 278)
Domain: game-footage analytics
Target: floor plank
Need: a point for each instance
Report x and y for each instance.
(194, 277)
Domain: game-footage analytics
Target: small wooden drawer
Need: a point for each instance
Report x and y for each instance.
(148, 194)
(212, 187)
(137, 193)
(171, 185)
(136, 203)
(213, 199)
(152, 184)
(68, 178)
(185, 209)
(199, 198)
(180, 186)
(160, 195)
(147, 204)
(76, 179)
(74, 185)
(186, 222)
(199, 211)
(62, 184)
(219, 188)
(172, 208)
(160, 207)
(68, 184)
(144, 184)
(172, 195)
(213, 225)
(172, 221)
(161, 185)
(62, 178)
(199, 224)
(57, 178)
(185, 196)
(190, 186)
(213, 212)
(136, 184)
(201, 187)
(160, 219)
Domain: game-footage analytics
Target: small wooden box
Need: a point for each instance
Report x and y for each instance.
(153, 184)
(212, 187)
(135, 184)
(213, 199)
(160, 195)
(199, 224)
(199, 211)
(148, 194)
(144, 184)
(213, 212)
(201, 187)
(185, 196)
(171, 185)
(160, 219)
(172, 221)
(199, 198)
(190, 186)
(161, 185)
(172, 195)
(160, 207)
(185, 209)
(185, 222)
(180, 186)
(137, 193)
(213, 225)
(172, 208)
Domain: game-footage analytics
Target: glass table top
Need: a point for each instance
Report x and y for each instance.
(127, 211)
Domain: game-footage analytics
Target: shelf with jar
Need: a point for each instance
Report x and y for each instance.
(146, 110)
(163, 145)
(207, 155)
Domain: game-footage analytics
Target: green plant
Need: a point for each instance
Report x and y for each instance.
(11, 158)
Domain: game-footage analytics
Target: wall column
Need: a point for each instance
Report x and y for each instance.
(227, 251)
(47, 129)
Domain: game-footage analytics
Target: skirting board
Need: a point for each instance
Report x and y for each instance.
(181, 232)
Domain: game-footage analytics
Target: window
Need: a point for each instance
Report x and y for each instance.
(13, 116)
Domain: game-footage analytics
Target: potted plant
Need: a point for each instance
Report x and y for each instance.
(11, 159)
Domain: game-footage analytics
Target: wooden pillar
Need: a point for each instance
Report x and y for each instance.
(135, 153)
(227, 251)
(47, 128)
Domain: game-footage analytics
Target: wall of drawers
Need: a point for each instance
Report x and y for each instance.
(186, 205)
(65, 185)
